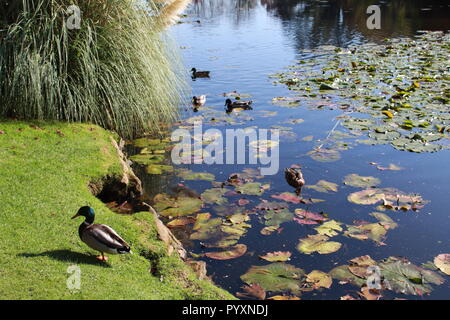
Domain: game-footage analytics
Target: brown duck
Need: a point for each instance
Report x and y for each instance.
(294, 178)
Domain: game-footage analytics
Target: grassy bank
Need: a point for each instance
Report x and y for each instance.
(45, 169)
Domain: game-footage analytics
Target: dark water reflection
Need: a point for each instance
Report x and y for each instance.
(241, 43)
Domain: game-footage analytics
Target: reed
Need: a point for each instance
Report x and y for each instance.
(119, 70)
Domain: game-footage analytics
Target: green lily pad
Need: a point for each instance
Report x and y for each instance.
(325, 155)
(323, 186)
(329, 228)
(404, 277)
(181, 206)
(214, 195)
(250, 188)
(186, 174)
(318, 243)
(275, 277)
(277, 217)
(158, 169)
(277, 256)
(358, 181)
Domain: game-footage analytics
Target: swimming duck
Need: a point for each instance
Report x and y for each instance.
(99, 237)
(199, 74)
(238, 104)
(199, 101)
(295, 178)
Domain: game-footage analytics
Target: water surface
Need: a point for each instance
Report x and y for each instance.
(242, 43)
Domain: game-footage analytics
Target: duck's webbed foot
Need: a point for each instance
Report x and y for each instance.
(102, 257)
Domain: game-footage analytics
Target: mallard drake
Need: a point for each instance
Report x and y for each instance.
(99, 237)
(238, 104)
(199, 74)
(199, 101)
(295, 178)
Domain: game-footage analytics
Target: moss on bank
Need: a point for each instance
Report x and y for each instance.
(45, 169)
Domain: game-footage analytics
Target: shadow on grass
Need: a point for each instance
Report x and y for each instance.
(68, 256)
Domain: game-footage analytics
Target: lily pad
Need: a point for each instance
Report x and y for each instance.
(323, 186)
(186, 174)
(319, 279)
(330, 228)
(325, 155)
(250, 188)
(214, 195)
(275, 277)
(442, 261)
(280, 256)
(235, 252)
(404, 277)
(181, 206)
(358, 181)
(318, 243)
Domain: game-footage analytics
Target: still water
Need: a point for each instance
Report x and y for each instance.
(242, 43)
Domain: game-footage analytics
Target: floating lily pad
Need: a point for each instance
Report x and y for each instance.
(180, 206)
(330, 228)
(404, 277)
(250, 188)
(373, 231)
(358, 181)
(277, 217)
(280, 256)
(342, 273)
(325, 155)
(214, 195)
(442, 261)
(318, 243)
(158, 169)
(233, 253)
(186, 174)
(288, 197)
(308, 217)
(319, 279)
(276, 277)
(323, 186)
(367, 196)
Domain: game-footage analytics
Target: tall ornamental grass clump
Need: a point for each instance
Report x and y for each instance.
(118, 70)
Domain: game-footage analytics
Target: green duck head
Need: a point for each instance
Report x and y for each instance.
(86, 212)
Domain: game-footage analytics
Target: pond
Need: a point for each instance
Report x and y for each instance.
(264, 49)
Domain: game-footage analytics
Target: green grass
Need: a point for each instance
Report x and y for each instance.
(44, 180)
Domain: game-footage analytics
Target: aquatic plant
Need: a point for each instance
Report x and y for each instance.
(118, 69)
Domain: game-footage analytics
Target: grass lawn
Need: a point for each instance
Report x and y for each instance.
(45, 169)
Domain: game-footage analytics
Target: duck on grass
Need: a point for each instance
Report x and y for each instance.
(100, 237)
